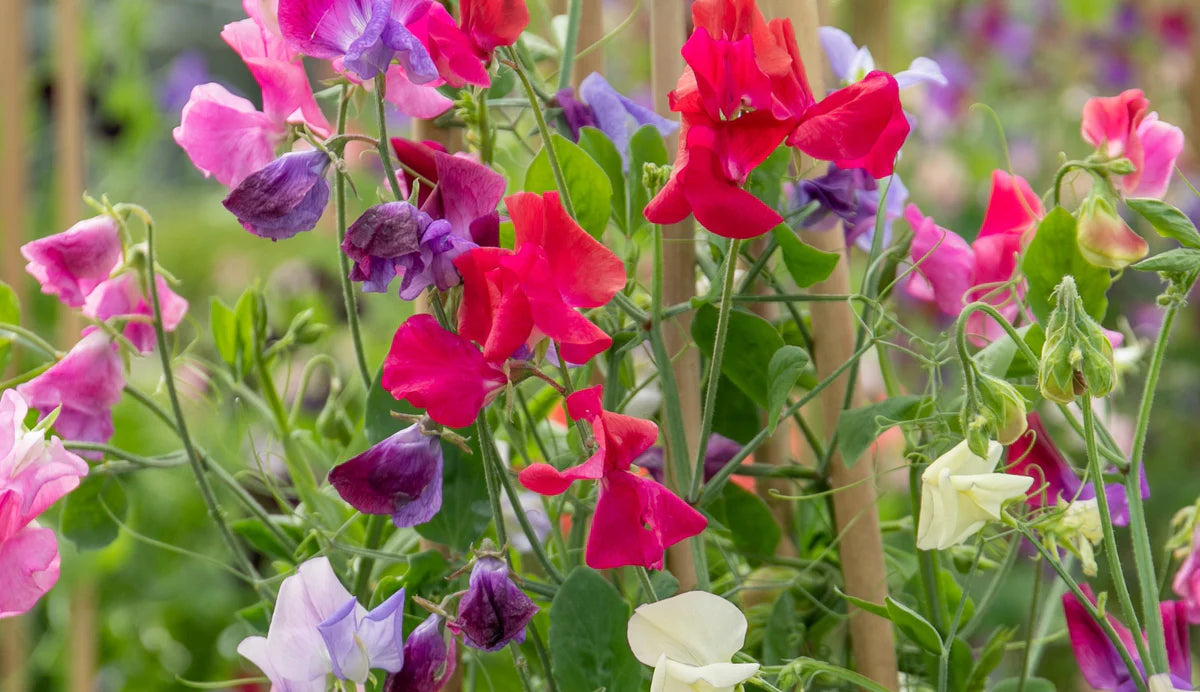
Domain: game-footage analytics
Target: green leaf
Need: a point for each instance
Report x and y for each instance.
(1032, 684)
(378, 421)
(914, 626)
(858, 427)
(873, 608)
(465, 512)
(85, 521)
(736, 416)
(256, 533)
(422, 568)
(10, 313)
(805, 263)
(989, 657)
(751, 343)
(1177, 261)
(224, 324)
(1166, 219)
(605, 153)
(766, 181)
(1054, 253)
(586, 182)
(588, 646)
(645, 146)
(751, 525)
(784, 369)
(664, 583)
(783, 634)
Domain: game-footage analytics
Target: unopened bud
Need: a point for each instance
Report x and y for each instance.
(1004, 406)
(1077, 357)
(1104, 238)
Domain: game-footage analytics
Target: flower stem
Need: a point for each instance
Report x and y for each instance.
(385, 154)
(339, 183)
(560, 180)
(362, 578)
(574, 12)
(671, 410)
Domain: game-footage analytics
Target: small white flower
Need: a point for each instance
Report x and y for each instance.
(690, 639)
(960, 493)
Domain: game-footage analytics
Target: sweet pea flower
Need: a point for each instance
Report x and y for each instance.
(690, 639)
(1119, 126)
(1101, 663)
(411, 99)
(319, 628)
(440, 372)
(86, 383)
(851, 197)
(72, 263)
(283, 198)
(400, 476)
(225, 136)
(960, 493)
(1104, 238)
(458, 189)
(398, 236)
(1186, 584)
(121, 297)
(428, 659)
(636, 519)
(617, 116)
(366, 34)
(34, 474)
(493, 611)
(851, 63)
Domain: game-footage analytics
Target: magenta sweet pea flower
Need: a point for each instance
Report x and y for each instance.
(366, 34)
(493, 611)
(285, 197)
(34, 474)
(400, 476)
(464, 191)
(428, 659)
(225, 136)
(86, 383)
(72, 263)
(319, 628)
(122, 298)
(1119, 126)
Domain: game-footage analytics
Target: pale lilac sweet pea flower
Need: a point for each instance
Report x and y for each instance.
(122, 297)
(616, 115)
(851, 63)
(319, 628)
(400, 476)
(86, 383)
(72, 263)
(283, 198)
(366, 34)
(428, 659)
(34, 474)
(493, 611)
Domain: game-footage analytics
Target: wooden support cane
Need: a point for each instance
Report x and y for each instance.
(856, 515)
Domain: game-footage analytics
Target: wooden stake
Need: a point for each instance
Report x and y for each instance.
(668, 31)
(860, 545)
(13, 181)
(869, 23)
(14, 652)
(591, 29)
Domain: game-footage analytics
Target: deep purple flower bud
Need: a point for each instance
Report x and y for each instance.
(718, 453)
(400, 476)
(283, 198)
(428, 659)
(493, 611)
(375, 240)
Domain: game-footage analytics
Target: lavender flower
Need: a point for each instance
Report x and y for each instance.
(400, 476)
(493, 611)
(283, 198)
(849, 196)
(367, 34)
(618, 117)
(718, 453)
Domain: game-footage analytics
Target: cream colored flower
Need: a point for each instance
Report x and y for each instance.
(960, 493)
(690, 639)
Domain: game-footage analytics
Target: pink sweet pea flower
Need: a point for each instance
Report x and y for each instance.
(225, 136)
(1186, 584)
(72, 263)
(121, 297)
(1119, 126)
(440, 371)
(86, 383)
(34, 474)
(636, 519)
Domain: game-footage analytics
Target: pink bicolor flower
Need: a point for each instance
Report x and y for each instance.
(72, 263)
(121, 297)
(86, 383)
(1120, 126)
(366, 34)
(411, 99)
(34, 474)
(636, 519)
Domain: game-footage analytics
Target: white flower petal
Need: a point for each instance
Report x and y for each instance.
(696, 628)
(921, 70)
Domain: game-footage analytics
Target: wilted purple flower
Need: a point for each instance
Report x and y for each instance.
(367, 34)
(400, 476)
(283, 198)
(72, 263)
(87, 383)
(617, 116)
(493, 611)
(433, 264)
(428, 659)
(849, 196)
(399, 238)
(319, 628)
(718, 453)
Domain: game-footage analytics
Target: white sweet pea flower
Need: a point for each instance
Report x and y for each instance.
(1163, 683)
(960, 493)
(690, 639)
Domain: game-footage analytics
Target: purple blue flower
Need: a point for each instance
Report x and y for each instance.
(617, 116)
(849, 196)
(493, 611)
(428, 659)
(366, 34)
(400, 476)
(283, 198)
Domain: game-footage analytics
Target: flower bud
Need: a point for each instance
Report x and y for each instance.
(1104, 238)
(1004, 407)
(1076, 356)
(1079, 526)
(493, 611)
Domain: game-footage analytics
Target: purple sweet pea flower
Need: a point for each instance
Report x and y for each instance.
(456, 188)
(718, 453)
(850, 196)
(493, 611)
(428, 659)
(366, 34)
(72, 263)
(400, 476)
(433, 264)
(319, 628)
(87, 383)
(383, 234)
(283, 198)
(617, 116)
(1100, 661)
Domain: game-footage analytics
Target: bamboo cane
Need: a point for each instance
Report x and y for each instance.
(855, 512)
(591, 29)
(668, 31)
(13, 181)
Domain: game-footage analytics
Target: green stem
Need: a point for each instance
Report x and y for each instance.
(489, 474)
(362, 578)
(672, 412)
(339, 182)
(385, 154)
(560, 180)
(30, 339)
(647, 585)
(1033, 607)
(574, 13)
(543, 655)
(714, 367)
